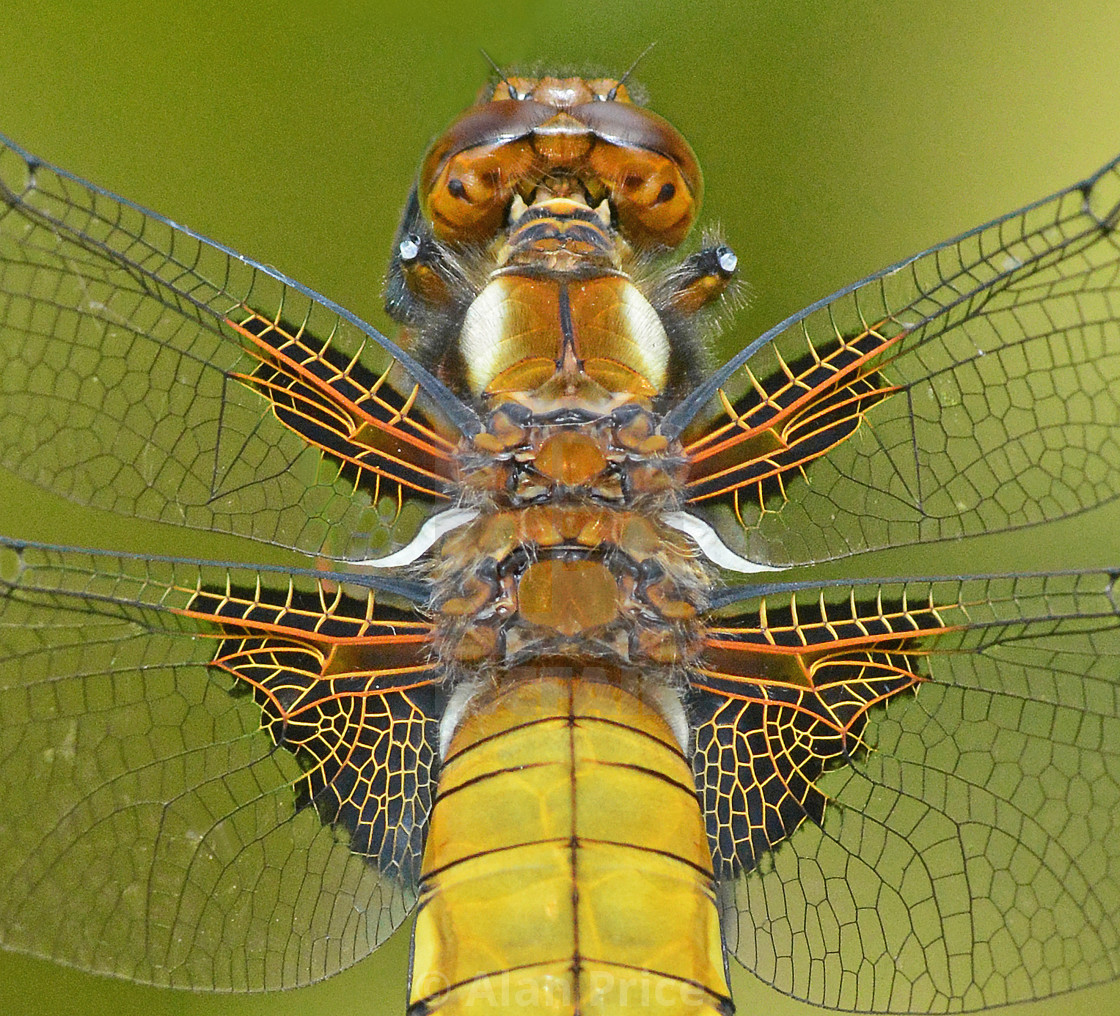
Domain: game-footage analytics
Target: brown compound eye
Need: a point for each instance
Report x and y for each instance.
(469, 175)
(650, 194)
(610, 147)
(649, 170)
(468, 199)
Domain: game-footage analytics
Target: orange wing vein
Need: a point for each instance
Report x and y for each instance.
(335, 404)
(349, 693)
(788, 694)
(785, 421)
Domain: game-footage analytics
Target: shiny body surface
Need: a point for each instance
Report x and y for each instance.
(568, 835)
(567, 561)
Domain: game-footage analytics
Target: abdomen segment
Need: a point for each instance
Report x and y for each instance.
(566, 868)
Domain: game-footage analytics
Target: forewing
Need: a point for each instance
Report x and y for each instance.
(252, 824)
(971, 389)
(937, 766)
(151, 372)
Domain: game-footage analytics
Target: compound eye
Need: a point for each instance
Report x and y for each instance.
(649, 170)
(472, 171)
(468, 199)
(650, 195)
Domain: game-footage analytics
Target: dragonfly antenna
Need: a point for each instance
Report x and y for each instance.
(501, 74)
(630, 70)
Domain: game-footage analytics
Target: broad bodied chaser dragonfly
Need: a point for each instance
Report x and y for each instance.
(531, 648)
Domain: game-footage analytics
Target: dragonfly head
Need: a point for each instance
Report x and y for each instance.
(582, 139)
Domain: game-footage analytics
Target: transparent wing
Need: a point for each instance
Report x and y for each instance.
(937, 763)
(154, 373)
(971, 389)
(252, 824)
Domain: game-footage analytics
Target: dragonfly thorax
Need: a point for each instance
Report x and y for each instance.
(569, 554)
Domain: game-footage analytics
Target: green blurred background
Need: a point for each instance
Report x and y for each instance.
(836, 137)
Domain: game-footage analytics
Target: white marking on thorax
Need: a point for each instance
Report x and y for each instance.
(437, 526)
(711, 546)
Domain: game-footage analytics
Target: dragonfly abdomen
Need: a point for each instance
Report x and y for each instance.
(567, 867)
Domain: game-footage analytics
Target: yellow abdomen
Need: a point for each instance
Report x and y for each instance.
(566, 869)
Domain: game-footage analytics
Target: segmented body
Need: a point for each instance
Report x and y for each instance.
(566, 862)
(567, 868)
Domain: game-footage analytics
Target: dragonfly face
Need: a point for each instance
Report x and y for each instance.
(542, 703)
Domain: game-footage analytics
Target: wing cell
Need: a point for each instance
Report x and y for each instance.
(137, 354)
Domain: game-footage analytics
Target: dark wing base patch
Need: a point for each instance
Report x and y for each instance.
(352, 698)
(782, 696)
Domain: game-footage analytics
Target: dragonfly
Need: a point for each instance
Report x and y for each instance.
(531, 638)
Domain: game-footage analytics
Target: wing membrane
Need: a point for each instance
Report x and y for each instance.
(133, 381)
(982, 398)
(963, 844)
(167, 795)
